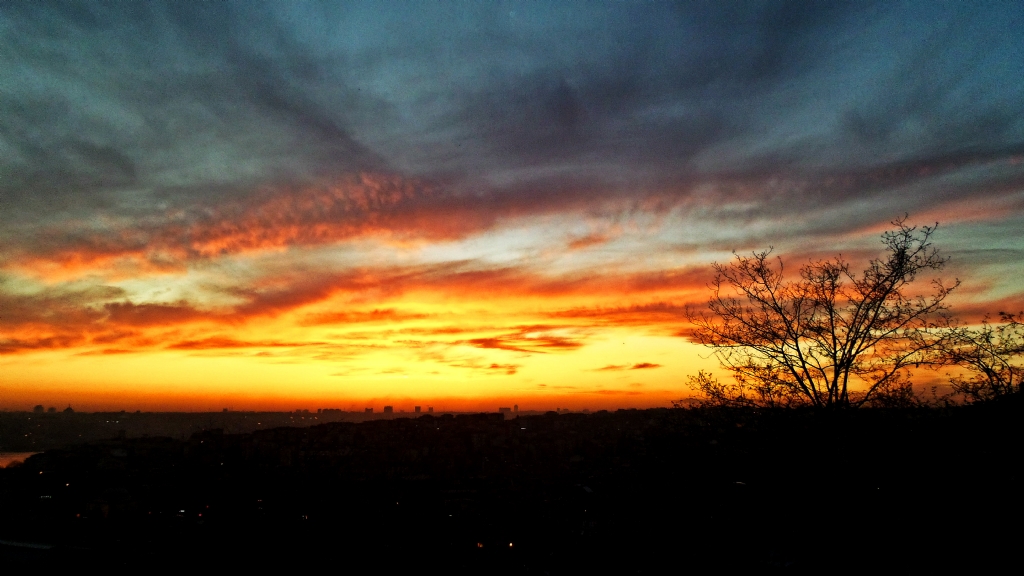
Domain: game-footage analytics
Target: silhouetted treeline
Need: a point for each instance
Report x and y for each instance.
(786, 490)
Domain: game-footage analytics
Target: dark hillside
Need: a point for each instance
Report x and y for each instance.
(766, 491)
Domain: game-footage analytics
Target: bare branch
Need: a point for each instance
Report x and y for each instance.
(812, 340)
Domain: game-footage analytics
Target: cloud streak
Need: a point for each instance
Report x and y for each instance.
(215, 141)
(453, 183)
(618, 367)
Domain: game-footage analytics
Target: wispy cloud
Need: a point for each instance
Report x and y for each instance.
(454, 183)
(618, 367)
(214, 342)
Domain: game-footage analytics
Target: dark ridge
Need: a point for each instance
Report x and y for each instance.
(611, 492)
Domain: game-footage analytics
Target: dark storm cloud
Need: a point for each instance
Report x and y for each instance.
(143, 124)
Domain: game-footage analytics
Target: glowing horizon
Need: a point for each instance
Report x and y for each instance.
(294, 206)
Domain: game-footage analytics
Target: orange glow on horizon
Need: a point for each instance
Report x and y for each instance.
(556, 311)
(455, 374)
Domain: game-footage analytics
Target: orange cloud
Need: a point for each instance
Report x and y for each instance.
(131, 314)
(223, 342)
(658, 312)
(385, 315)
(527, 339)
(364, 205)
(104, 315)
(973, 312)
(14, 345)
(587, 241)
(107, 352)
(617, 367)
(507, 369)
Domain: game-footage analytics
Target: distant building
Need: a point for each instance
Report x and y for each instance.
(430, 409)
(504, 410)
(368, 411)
(515, 408)
(51, 410)
(68, 410)
(389, 409)
(38, 409)
(416, 409)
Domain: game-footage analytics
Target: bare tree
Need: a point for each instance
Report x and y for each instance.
(990, 356)
(831, 338)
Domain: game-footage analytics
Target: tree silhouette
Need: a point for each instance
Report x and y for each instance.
(831, 338)
(990, 357)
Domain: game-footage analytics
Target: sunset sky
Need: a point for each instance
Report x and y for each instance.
(466, 205)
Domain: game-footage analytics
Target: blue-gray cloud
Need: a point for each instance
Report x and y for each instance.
(135, 111)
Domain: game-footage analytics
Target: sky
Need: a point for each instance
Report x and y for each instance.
(468, 205)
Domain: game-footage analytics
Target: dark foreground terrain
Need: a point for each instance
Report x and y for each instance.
(623, 492)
